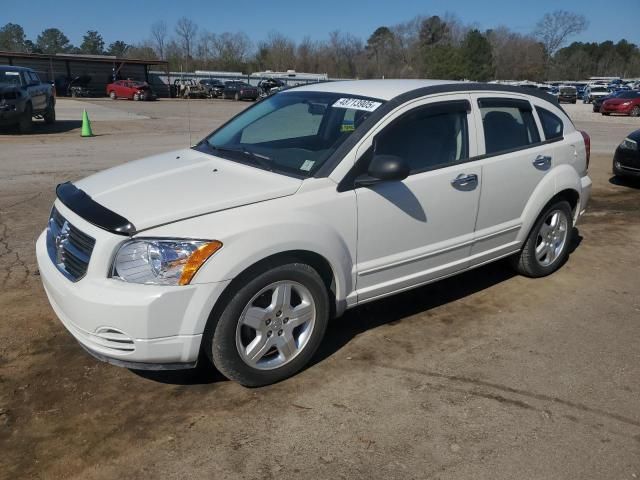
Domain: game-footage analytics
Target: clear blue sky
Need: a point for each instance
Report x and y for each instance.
(130, 20)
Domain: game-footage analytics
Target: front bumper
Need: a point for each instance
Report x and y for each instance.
(137, 326)
(626, 162)
(10, 114)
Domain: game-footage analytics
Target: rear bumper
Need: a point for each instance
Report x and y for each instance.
(585, 194)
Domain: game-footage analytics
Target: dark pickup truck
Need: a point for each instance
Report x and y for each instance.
(23, 96)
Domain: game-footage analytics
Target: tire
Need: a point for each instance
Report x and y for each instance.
(606, 114)
(531, 264)
(635, 111)
(236, 97)
(50, 114)
(112, 95)
(25, 125)
(284, 341)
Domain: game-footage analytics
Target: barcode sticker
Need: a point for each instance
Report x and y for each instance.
(357, 104)
(306, 166)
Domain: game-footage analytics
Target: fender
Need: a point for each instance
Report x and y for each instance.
(562, 177)
(253, 232)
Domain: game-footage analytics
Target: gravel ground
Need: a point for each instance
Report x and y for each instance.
(483, 376)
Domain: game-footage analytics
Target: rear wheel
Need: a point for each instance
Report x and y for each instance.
(50, 114)
(236, 97)
(26, 120)
(635, 111)
(271, 326)
(547, 246)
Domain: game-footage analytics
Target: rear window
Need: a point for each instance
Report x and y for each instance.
(552, 126)
(599, 89)
(508, 124)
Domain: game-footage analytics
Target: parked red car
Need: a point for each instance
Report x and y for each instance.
(627, 103)
(130, 89)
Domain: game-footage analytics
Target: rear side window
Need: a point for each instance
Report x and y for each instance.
(508, 124)
(552, 126)
(428, 137)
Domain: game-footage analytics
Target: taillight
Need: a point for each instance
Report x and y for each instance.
(587, 145)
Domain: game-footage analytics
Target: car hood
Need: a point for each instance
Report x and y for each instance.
(182, 184)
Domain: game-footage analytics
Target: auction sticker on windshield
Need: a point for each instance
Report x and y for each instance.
(357, 104)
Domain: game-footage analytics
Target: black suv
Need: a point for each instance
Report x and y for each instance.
(213, 87)
(23, 96)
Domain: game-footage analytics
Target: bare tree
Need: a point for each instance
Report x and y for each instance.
(231, 50)
(159, 35)
(277, 52)
(186, 30)
(515, 56)
(555, 28)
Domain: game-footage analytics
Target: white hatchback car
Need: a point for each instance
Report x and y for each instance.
(312, 201)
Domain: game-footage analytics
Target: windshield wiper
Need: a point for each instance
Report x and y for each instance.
(262, 160)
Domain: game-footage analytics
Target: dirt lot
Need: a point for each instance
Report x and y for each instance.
(483, 376)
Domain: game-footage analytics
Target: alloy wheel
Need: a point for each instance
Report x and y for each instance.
(276, 325)
(552, 237)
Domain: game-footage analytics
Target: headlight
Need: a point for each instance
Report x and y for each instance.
(629, 144)
(162, 261)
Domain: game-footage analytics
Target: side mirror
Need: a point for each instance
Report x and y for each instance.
(384, 168)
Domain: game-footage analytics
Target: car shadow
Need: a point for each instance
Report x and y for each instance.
(400, 306)
(203, 374)
(629, 182)
(41, 128)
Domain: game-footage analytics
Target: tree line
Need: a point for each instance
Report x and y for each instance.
(423, 47)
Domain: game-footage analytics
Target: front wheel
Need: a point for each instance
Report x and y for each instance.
(236, 97)
(271, 326)
(26, 119)
(112, 95)
(635, 111)
(547, 246)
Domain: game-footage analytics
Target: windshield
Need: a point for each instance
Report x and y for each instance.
(292, 132)
(599, 89)
(10, 77)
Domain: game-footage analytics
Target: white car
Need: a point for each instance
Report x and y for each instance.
(313, 201)
(594, 91)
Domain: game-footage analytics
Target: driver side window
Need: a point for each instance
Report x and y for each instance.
(428, 137)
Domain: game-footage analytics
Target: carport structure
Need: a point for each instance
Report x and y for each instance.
(60, 68)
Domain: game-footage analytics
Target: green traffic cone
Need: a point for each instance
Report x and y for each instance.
(86, 125)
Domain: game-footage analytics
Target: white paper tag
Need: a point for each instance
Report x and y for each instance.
(357, 104)
(306, 166)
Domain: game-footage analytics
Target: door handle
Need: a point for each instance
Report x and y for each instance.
(542, 162)
(465, 181)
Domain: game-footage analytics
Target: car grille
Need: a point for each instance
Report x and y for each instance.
(69, 249)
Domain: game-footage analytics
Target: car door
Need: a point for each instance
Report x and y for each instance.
(421, 228)
(37, 92)
(515, 161)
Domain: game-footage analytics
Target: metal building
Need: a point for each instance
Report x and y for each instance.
(101, 69)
